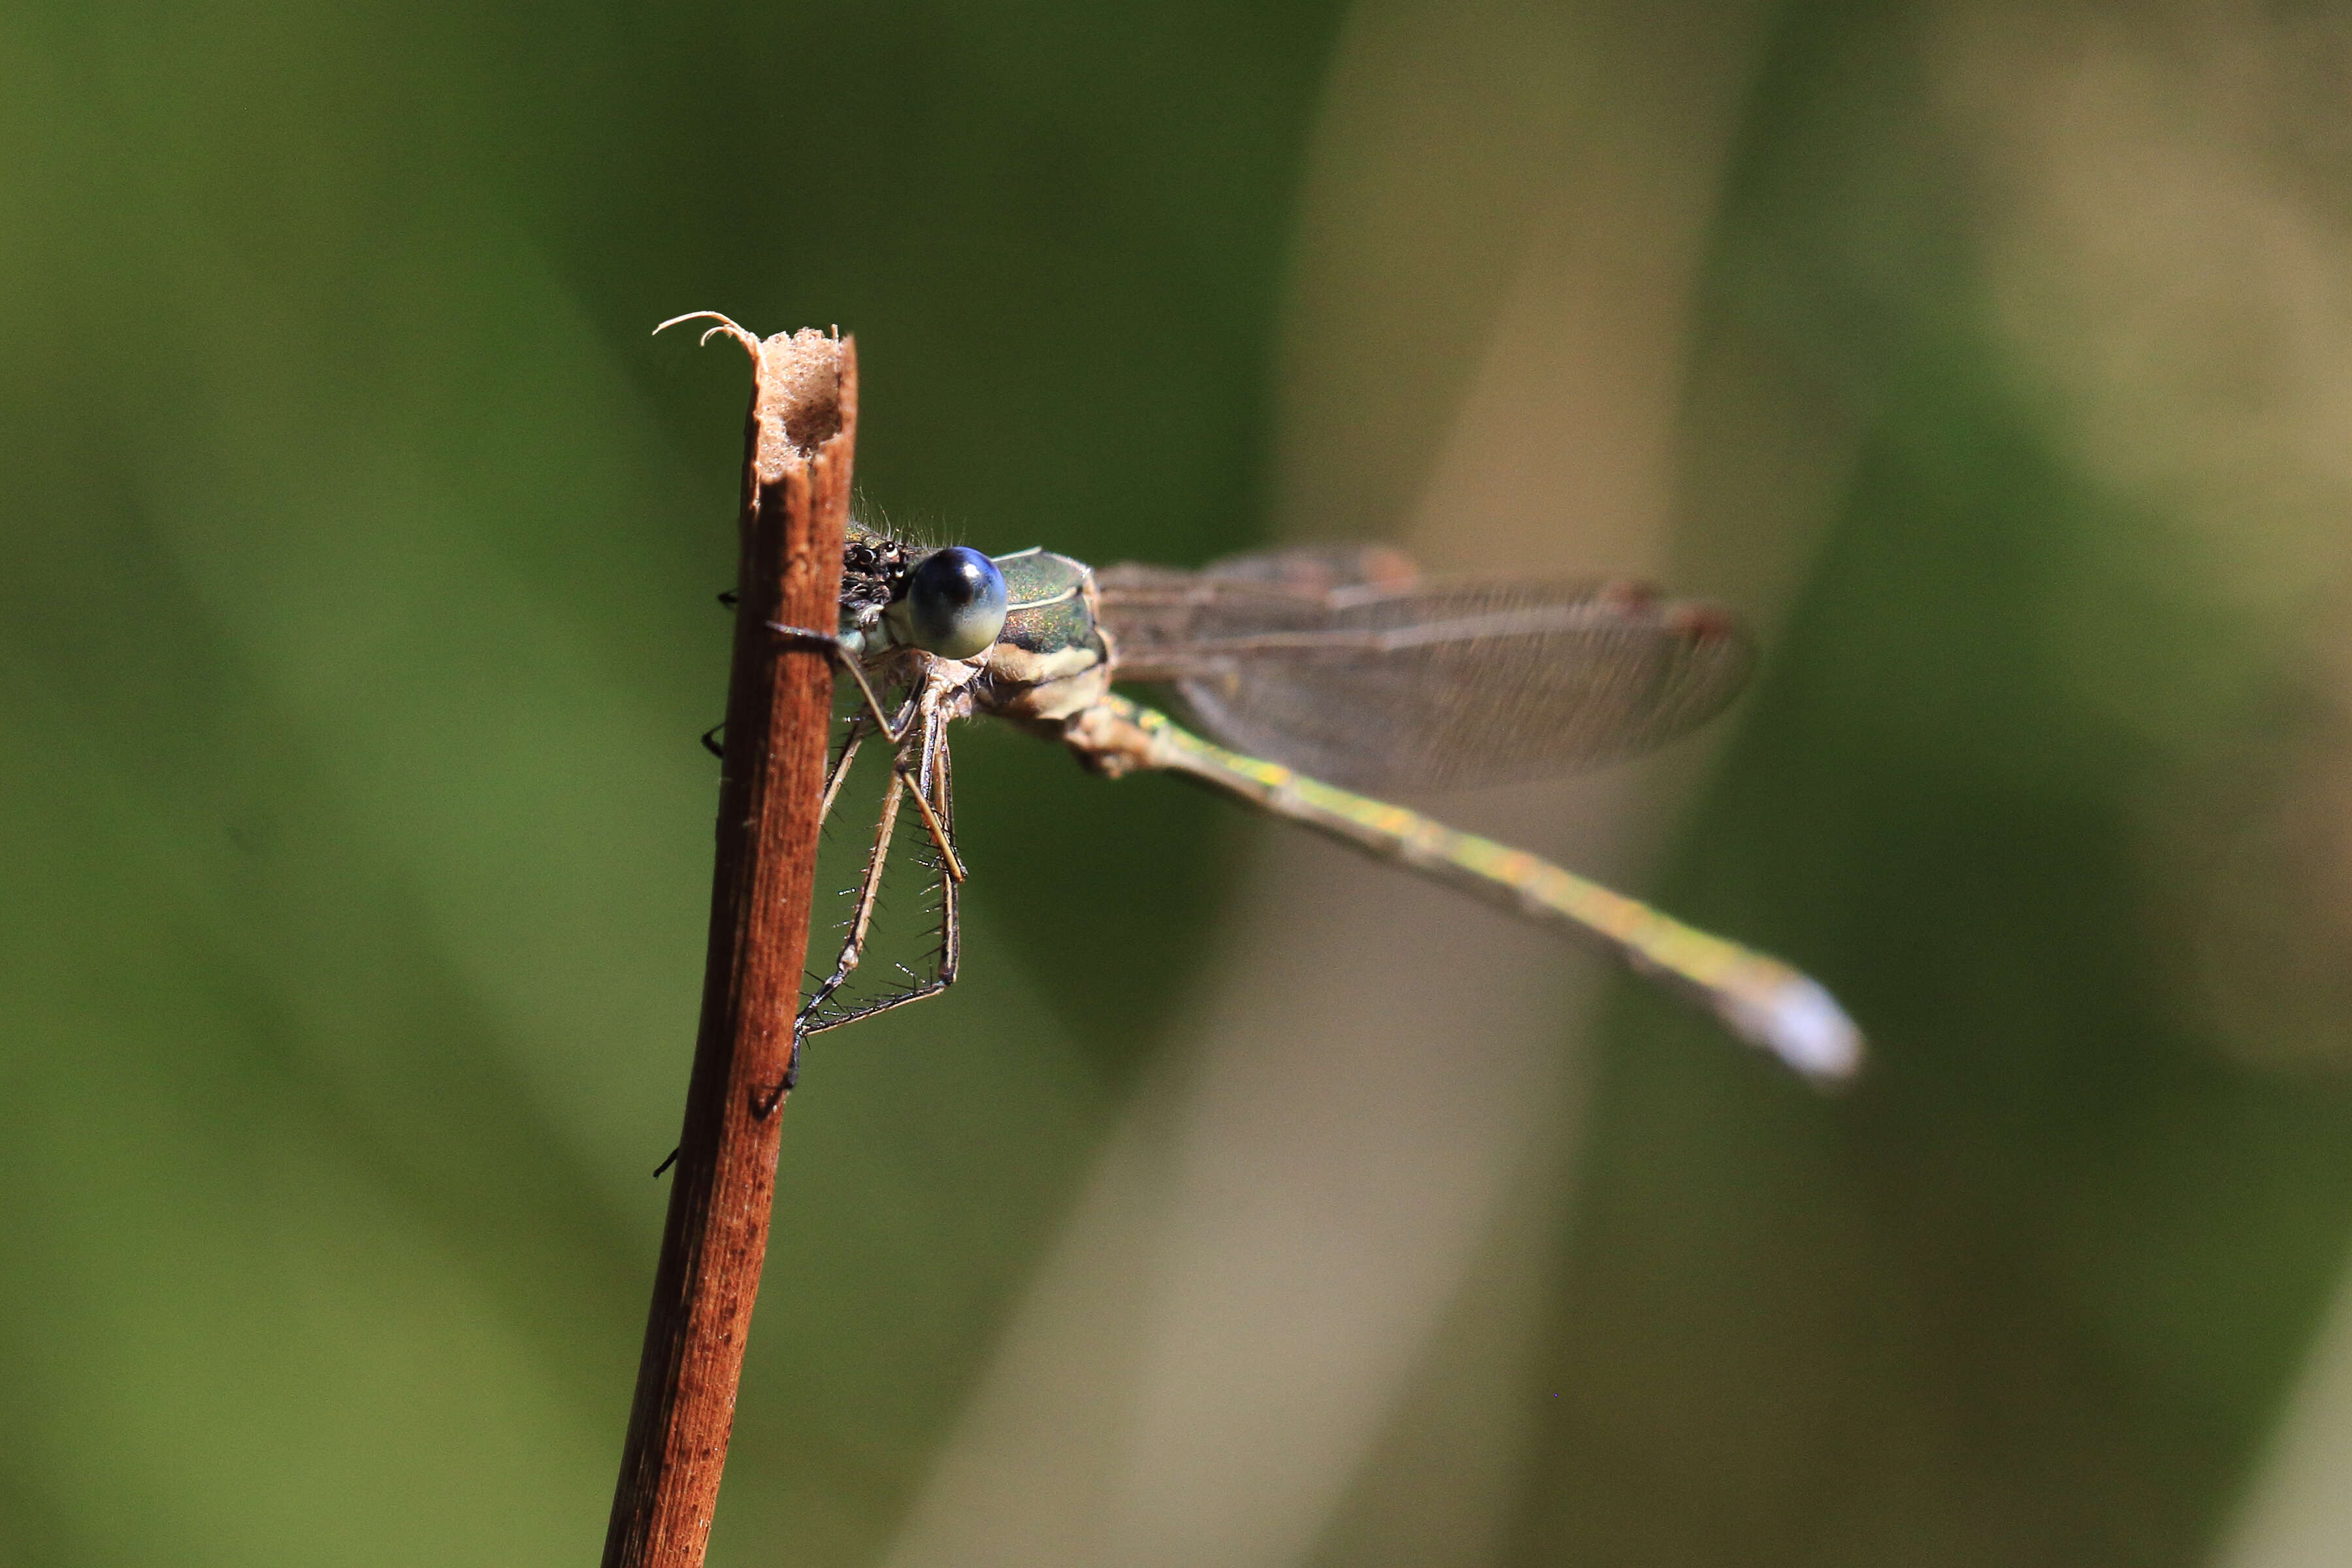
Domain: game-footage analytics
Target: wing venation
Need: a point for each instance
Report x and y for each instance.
(1342, 662)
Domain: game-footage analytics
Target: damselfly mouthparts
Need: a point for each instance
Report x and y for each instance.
(1322, 667)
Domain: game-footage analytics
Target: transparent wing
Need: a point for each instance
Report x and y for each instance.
(1341, 661)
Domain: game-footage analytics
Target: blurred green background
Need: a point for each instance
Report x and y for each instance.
(357, 548)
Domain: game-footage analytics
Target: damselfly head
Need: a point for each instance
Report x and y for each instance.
(946, 600)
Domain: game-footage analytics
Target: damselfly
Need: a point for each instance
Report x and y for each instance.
(1325, 670)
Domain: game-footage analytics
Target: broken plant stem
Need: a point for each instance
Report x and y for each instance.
(798, 444)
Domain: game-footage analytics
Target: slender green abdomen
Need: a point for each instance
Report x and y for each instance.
(1760, 999)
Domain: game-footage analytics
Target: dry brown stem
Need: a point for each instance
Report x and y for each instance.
(796, 477)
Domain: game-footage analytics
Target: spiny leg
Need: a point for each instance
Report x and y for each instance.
(861, 918)
(850, 738)
(871, 718)
(950, 929)
(870, 884)
(929, 784)
(940, 819)
(939, 814)
(853, 949)
(826, 642)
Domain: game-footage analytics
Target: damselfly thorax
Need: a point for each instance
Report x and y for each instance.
(1323, 671)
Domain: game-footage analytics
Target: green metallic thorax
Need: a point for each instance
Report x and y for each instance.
(1052, 660)
(1048, 602)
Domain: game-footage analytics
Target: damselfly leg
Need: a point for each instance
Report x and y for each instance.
(919, 773)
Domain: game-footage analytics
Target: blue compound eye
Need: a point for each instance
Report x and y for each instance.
(955, 603)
